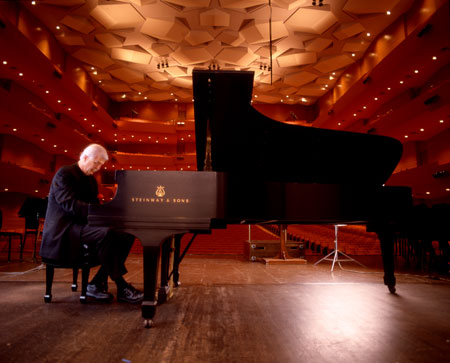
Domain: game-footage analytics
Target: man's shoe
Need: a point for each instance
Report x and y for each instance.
(98, 292)
(130, 294)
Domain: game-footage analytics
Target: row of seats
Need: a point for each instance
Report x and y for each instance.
(31, 228)
(424, 236)
(424, 254)
(427, 250)
(319, 239)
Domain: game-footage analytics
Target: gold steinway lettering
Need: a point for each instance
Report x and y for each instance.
(160, 200)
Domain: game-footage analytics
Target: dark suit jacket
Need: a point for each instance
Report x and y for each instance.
(70, 194)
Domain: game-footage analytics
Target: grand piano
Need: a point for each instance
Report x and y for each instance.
(254, 170)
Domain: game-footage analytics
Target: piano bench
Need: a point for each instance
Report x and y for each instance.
(84, 265)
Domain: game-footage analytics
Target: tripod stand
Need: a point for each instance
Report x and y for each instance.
(336, 252)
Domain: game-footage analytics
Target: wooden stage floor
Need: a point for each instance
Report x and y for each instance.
(231, 310)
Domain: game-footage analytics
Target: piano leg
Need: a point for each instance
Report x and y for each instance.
(387, 252)
(165, 292)
(176, 262)
(151, 240)
(151, 259)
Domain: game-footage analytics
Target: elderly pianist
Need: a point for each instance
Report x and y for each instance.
(66, 227)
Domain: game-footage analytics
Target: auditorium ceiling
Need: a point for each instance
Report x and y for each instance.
(146, 49)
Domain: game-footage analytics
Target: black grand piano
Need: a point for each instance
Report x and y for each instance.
(252, 169)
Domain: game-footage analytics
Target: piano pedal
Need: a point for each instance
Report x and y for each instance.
(148, 323)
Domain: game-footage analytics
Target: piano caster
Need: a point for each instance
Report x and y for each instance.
(148, 312)
(148, 323)
(390, 281)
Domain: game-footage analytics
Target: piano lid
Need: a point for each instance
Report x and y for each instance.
(234, 137)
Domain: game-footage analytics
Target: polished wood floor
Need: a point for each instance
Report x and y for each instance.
(231, 310)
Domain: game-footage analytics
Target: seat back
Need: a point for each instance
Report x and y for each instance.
(31, 223)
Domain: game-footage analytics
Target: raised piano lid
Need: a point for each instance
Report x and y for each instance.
(244, 141)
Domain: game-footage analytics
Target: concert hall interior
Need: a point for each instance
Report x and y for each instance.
(120, 73)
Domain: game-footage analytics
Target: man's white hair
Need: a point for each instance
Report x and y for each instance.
(95, 150)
